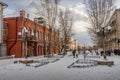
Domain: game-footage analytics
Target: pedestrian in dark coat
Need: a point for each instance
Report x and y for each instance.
(101, 53)
(74, 51)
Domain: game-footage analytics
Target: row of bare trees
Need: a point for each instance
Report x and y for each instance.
(59, 19)
(99, 13)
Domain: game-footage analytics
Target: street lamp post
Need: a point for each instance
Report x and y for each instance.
(103, 31)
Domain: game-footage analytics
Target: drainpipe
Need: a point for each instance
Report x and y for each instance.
(44, 41)
(15, 38)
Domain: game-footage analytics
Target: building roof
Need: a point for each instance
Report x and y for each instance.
(3, 4)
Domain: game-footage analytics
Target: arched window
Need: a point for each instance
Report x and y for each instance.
(40, 37)
(32, 32)
(28, 33)
(37, 35)
(23, 31)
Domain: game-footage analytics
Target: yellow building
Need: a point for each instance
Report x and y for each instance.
(72, 44)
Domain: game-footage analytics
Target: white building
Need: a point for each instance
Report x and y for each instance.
(2, 45)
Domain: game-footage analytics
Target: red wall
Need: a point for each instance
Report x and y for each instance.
(14, 46)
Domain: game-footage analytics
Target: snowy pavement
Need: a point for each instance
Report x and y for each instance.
(59, 71)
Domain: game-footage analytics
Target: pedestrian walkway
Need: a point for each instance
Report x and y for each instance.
(59, 71)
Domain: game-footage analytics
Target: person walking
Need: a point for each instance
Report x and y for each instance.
(74, 52)
(78, 50)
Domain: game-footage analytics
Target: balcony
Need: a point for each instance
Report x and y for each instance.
(29, 38)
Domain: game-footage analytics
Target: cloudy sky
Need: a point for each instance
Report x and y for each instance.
(76, 6)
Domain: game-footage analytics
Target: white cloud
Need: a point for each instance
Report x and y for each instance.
(79, 12)
(81, 34)
(79, 26)
(10, 13)
(83, 38)
(80, 6)
(80, 17)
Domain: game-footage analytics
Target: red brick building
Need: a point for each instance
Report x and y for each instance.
(29, 38)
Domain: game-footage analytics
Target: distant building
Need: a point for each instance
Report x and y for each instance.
(75, 44)
(2, 31)
(72, 44)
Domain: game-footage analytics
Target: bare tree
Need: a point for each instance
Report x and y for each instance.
(66, 22)
(99, 12)
(51, 12)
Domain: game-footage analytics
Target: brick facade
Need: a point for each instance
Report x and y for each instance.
(28, 38)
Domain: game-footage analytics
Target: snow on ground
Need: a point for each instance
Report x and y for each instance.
(59, 71)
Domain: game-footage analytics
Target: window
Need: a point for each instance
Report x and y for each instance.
(23, 31)
(28, 33)
(40, 36)
(32, 32)
(37, 32)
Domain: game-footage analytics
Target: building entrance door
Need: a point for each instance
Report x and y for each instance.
(31, 51)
